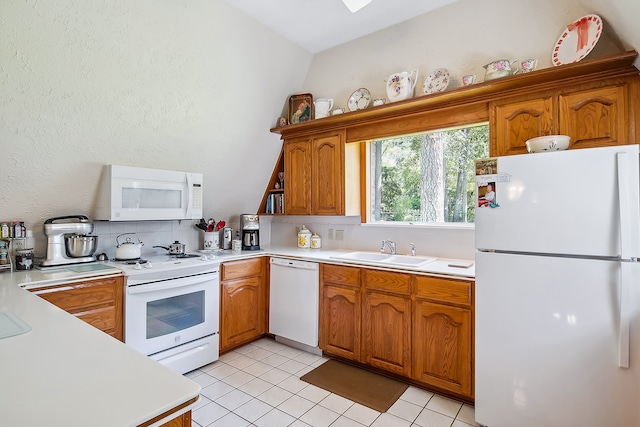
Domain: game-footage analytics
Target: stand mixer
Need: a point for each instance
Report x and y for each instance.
(57, 233)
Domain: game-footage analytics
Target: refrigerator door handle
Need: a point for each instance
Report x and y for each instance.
(628, 276)
(623, 205)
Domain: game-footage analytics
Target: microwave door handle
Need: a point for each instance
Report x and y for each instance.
(189, 195)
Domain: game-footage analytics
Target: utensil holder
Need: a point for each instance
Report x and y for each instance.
(212, 240)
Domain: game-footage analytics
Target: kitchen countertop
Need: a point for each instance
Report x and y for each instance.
(65, 372)
(439, 267)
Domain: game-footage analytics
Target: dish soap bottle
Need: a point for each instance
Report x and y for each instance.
(304, 237)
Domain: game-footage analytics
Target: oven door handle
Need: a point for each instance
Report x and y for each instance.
(169, 284)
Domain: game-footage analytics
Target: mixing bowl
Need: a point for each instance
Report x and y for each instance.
(78, 245)
(548, 143)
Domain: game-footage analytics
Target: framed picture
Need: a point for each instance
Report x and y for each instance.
(300, 108)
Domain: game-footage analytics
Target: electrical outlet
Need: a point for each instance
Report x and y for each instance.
(330, 234)
(339, 234)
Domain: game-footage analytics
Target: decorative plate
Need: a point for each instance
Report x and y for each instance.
(577, 40)
(359, 100)
(436, 81)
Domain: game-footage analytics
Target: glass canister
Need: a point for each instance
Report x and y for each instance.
(316, 241)
(304, 237)
(4, 256)
(24, 259)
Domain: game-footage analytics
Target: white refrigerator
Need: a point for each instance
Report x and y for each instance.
(557, 319)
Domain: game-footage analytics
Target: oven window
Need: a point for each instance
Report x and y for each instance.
(173, 314)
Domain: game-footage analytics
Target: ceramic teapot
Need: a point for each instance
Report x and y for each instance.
(500, 68)
(400, 85)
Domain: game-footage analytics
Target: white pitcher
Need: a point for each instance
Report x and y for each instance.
(322, 107)
(400, 85)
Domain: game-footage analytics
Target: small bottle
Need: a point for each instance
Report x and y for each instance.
(4, 231)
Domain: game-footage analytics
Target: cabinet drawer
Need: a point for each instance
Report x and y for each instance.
(80, 297)
(446, 290)
(241, 268)
(399, 283)
(341, 275)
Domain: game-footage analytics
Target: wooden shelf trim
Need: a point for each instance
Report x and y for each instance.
(617, 65)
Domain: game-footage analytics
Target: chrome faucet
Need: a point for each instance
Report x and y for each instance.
(391, 244)
(413, 249)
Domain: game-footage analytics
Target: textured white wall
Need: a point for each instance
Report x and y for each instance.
(184, 85)
(461, 37)
(196, 85)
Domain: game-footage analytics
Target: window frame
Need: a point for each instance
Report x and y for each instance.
(365, 164)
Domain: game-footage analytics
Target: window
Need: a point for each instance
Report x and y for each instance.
(426, 177)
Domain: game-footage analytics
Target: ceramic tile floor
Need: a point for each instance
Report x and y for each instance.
(259, 385)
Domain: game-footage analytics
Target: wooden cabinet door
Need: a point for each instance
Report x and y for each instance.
(340, 321)
(327, 176)
(514, 121)
(595, 117)
(386, 331)
(297, 177)
(97, 302)
(242, 311)
(442, 346)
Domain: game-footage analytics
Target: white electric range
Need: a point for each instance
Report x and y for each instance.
(171, 309)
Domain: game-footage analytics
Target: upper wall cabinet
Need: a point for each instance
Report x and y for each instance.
(594, 114)
(317, 178)
(595, 101)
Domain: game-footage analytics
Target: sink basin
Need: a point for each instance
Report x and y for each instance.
(363, 256)
(385, 259)
(407, 260)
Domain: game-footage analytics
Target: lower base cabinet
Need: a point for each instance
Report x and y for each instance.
(441, 346)
(243, 311)
(99, 302)
(386, 324)
(340, 311)
(416, 326)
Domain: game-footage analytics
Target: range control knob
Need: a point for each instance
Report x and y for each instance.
(137, 266)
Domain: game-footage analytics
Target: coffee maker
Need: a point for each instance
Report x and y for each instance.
(250, 226)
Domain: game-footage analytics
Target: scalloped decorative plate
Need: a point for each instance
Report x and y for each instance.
(436, 81)
(359, 100)
(568, 49)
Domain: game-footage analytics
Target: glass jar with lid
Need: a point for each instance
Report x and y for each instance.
(24, 259)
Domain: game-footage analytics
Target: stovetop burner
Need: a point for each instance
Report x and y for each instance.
(186, 256)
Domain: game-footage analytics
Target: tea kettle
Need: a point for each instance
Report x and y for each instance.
(400, 85)
(127, 250)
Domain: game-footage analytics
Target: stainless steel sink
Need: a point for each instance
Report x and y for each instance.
(374, 258)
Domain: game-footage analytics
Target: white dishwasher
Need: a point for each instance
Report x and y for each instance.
(294, 300)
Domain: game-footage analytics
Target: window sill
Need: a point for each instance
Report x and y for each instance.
(419, 225)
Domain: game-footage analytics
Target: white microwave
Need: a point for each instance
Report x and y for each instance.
(141, 194)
